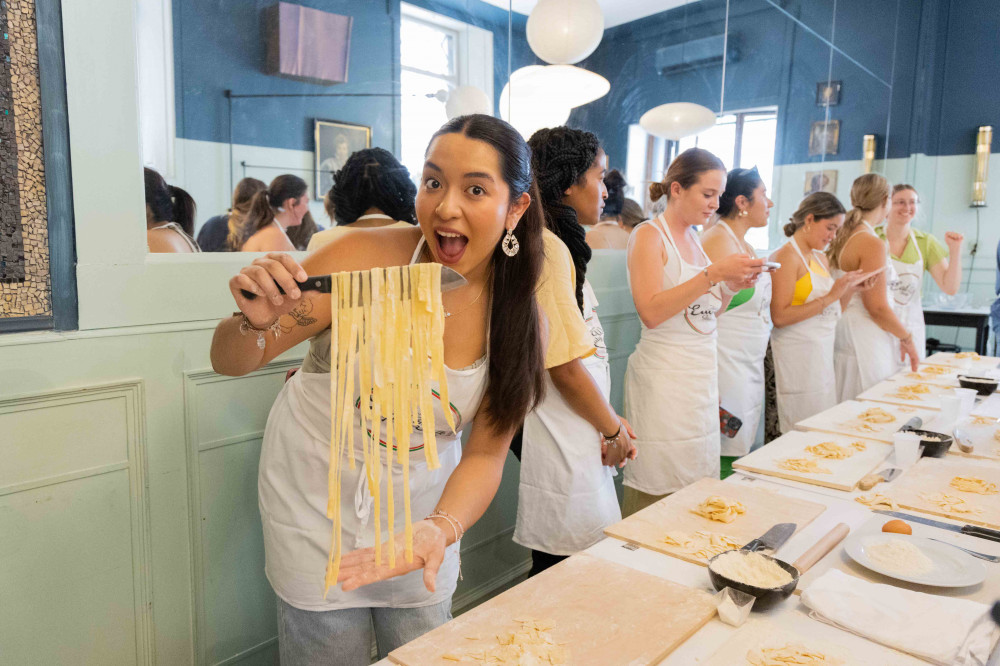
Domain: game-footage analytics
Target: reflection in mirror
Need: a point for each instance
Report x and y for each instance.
(232, 94)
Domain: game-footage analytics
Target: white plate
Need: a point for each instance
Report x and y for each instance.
(952, 567)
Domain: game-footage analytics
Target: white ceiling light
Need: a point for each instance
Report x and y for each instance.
(529, 114)
(562, 32)
(465, 100)
(677, 120)
(542, 95)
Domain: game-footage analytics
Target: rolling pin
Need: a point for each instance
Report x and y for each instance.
(820, 549)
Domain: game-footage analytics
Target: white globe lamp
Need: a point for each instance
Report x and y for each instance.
(677, 120)
(562, 32)
(528, 113)
(466, 100)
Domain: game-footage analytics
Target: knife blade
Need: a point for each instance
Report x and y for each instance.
(450, 279)
(912, 424)
(971, 530)
(772, 539)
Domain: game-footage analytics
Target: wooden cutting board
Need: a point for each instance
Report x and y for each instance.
(599, 611)
(944, 375)
(951, 358)
(764, 509)
(984, 434)
(843, 419)
(985, 592)
(933, 475)
(844, 473)
(797, 627)
(901, 393)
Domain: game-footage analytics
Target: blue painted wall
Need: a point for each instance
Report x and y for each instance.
(219, 45)
(942, 76)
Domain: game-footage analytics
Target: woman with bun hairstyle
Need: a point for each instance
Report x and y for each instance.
(671, 385)
(912, 252)
(372, 190)
(805, 308)
(746, 328)
(866, 346)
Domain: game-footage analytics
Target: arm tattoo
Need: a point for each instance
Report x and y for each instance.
(301, 316)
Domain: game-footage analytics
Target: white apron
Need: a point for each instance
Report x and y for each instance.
(293, 492)
(907, 291)
(566, 497)
(672, 390)
(804, 376)
(864, 354)
(743, 334)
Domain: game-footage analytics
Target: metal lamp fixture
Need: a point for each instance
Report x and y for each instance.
(983, 141)
(868, 150)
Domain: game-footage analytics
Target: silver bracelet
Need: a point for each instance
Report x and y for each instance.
(457, 529)
(247, 327)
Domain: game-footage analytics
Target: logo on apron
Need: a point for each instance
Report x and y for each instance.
(904, 288)
(701, 317)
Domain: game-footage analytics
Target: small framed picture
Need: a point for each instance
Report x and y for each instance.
(335, 141)
(820, 181)
(824, 137)
(828, 93)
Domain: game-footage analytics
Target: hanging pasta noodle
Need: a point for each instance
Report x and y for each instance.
(387, 330)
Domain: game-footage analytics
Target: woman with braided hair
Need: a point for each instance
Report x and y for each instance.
(371, 190)
(573, 439)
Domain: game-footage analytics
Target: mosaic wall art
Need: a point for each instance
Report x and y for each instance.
(24, 254)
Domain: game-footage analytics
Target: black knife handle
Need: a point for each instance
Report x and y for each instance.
(320, 283)
(981, 532)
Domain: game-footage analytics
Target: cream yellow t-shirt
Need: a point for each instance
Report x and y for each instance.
(327, 236)
(568, 337)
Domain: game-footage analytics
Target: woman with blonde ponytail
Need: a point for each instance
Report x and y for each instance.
(865, 349)
(672, 384)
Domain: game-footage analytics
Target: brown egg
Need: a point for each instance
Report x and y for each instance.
(897, 527)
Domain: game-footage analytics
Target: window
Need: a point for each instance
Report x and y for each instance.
(741, 140)
(437, 54)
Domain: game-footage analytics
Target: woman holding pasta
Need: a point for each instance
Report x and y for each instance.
(476, 215)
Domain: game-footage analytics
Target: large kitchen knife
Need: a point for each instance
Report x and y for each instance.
(869, 481)
(772, 539)
(450, 279)
(971, 530)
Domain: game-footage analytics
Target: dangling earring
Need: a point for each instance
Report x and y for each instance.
(510, 245)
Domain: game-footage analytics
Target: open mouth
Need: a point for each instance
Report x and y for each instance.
(451, 246)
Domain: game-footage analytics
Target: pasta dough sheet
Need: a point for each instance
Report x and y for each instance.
(972, 484)
(789, 654)
(389, 322)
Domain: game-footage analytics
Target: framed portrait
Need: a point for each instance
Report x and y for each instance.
(335, 141)
(824, 137)
(828, 93)
(820, 181)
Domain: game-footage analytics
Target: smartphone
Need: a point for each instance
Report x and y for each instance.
(771, 266)
(729, 424)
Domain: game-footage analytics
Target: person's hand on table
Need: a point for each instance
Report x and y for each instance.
(358, 568)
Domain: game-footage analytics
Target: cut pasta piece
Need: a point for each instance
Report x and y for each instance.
(876, 415)
(720, 509)
(790, 654)
(859, 445)
(807, 465)
(386, 335)
(702, 545)
(950, 503)
(972, 484)
(878, 501)
(830, 450)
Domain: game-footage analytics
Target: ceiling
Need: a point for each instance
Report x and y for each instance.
(616, 12)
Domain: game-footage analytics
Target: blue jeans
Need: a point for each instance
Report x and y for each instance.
(344, 637)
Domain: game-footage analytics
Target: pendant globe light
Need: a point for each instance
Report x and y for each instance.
(677, 120)
(540, 96)
(562, 32)
(466, 100)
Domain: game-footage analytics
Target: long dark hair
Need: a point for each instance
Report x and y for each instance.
(560, 157)
(372, 178)
(615, 184)
(516, 352)
(739, 183)
(264, 205)
(168, 203)
(242, 198)
(301, 233)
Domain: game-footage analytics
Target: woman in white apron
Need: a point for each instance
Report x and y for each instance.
(912, 252)
(805, 308)
(865, 348)
(477, 240)
(566, 495)
(671, 385)
(746, 328)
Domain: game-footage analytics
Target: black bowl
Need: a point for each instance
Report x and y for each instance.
(981, 385)
(937, 446)
(766, 596)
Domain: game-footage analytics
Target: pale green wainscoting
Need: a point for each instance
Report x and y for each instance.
(129, 527)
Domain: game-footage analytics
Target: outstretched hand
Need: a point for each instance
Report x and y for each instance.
(358, 568)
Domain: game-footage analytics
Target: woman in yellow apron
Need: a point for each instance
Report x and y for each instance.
(671, 385)
(865, 350)
(912, 252)
(746, 328)
(805, 308)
